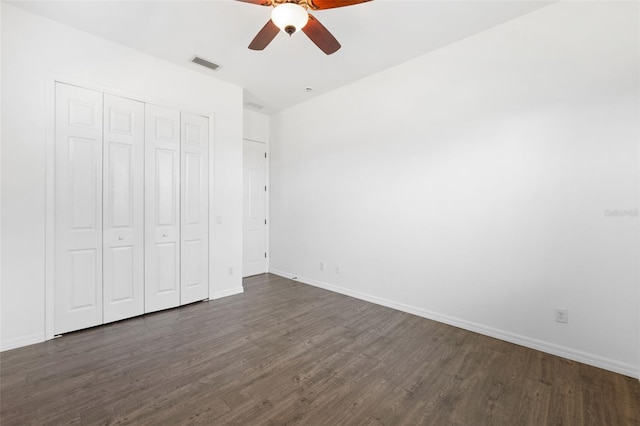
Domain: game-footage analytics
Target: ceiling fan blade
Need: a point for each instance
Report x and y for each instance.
(264, 37)
(321, 36)
(258, 2)
(330, 4)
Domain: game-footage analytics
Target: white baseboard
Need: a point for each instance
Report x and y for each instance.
(38, 338)
(551, 348)
(228, 292)
(22, 341)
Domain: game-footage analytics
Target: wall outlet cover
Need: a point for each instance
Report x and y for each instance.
(562, 315)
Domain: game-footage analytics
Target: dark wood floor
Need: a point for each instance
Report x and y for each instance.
(287, 353)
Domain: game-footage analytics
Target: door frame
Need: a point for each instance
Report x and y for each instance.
(49, 139)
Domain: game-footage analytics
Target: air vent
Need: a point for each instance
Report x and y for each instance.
(200, 61)
(253, 105)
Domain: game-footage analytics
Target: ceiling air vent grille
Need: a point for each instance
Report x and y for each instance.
(200, 61)
(253, 105)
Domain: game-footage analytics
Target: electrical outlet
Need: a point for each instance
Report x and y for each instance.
(337, 269)
(230, 271)
(322, 266)
(562, 315)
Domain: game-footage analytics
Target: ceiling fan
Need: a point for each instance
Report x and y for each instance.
(291, 16)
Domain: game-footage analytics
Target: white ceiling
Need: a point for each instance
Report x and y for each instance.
(374, 36)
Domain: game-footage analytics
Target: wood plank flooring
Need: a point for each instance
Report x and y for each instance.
(286, 353)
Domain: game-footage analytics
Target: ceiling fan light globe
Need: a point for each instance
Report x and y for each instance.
(288, 15)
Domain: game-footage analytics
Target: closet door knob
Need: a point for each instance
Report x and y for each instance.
(121, 238)
(165, 235)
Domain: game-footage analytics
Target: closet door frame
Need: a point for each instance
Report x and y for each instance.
(49, 256)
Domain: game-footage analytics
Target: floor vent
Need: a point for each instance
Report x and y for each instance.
(200, 61)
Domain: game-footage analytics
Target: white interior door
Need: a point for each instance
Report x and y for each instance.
(254, 211)
(162, 208)
(78, 209)
(195, 206)
(123, 201)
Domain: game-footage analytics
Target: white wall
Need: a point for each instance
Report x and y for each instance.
(470, 185)
(34, 52)
(255, 126)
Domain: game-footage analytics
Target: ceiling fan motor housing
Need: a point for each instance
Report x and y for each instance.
(292, 16)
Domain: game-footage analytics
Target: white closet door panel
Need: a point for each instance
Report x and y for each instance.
(194, 212)
(123, 192)
(82, 162)
(165, 181)
(168, 267)
(84, 279)
(78, 209)
(124, 281)
(162, 208)
(192, 171)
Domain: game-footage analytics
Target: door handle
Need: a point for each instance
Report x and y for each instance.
(165, 235)
(121, 238)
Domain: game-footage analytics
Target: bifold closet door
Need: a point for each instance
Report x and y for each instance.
(78, 208)
(195, 207)
(162, 208)
(123, 213)
(131, 208)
